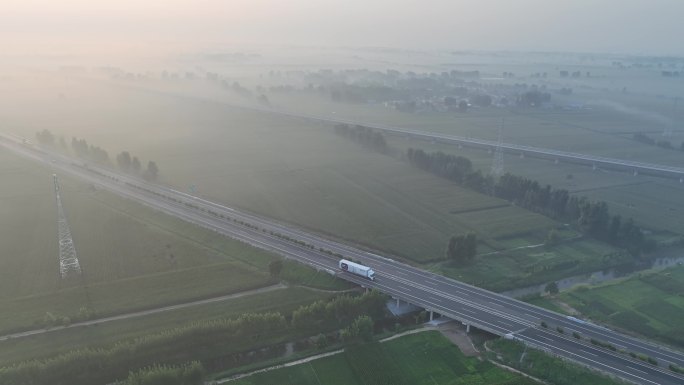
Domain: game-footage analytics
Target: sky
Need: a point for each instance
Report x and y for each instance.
(651, 27)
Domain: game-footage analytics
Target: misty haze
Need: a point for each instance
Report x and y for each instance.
(353, 193)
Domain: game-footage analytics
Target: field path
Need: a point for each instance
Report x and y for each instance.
(142, 313)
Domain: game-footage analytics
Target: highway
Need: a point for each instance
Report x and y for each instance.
(474, 306)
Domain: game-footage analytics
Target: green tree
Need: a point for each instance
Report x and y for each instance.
(552, 288)
(364, 325)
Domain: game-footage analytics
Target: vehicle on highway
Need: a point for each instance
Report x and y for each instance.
(358, 269)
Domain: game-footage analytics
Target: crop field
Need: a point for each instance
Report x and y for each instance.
(132, 257)
(416, 359)
(654, 203)
(107, 334)
(649, 304)
(303, 174)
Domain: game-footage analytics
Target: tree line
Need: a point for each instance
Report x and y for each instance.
(339, 311)
(590, 217)
(103, 365)
(188, 374)
(643, 138)
(124, 160)
(365, 136)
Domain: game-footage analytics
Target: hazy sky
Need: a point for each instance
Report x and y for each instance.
(621, 26)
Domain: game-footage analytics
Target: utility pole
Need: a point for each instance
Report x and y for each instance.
(68, 262)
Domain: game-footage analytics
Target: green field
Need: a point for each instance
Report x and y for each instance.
(132, 257)
(290, 170)
(650, 304)
(654, 203)
(422, 358)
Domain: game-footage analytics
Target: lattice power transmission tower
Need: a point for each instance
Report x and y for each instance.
(498, 162)
(68, 262)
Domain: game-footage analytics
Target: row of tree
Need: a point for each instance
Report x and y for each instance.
(124, 160)
(131, 164)
(189, 374)
(591, 217)
(94, 153)
(104, 365)
(365, 136)
(455, 168)
(339, 311)
(643, 138)
(199, 340)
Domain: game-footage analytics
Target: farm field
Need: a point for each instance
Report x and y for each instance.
(649, 304)
(132, 257)
(655, 203)
(303, 174)
(421, 358)
(107, 334)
